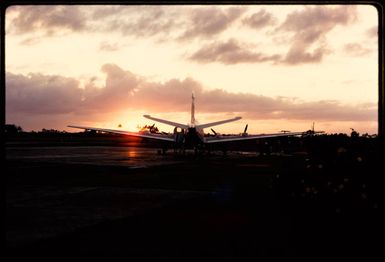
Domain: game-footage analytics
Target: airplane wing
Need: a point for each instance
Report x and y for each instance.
(137, 134)
(220, 139)
(166, 122)
(218, 123)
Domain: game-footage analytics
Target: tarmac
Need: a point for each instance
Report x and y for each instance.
(131, 202)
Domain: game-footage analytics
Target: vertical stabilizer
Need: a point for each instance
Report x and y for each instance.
(192, 110)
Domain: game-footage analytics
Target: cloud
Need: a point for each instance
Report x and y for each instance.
(102, 12)
(117, 92)
(298, 55)
(53, 94)
(149, 22)
(208, 21)
(325, 110)
(37, 97)
(49, 19)
(259, 107)
(230, 52)
(169, 96)
(136, 21)
(165, 22)
(319, 18)
(30, 41)
(259, 20)
(372, 32)
(308, 43)
(106, 46)
(309, 28)
(41, 94)
(356, 49)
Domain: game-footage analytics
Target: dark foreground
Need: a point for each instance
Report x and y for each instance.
(108, 202)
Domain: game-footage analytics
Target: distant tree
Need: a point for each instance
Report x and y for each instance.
(12, 129)
(354, 133)
(49, 131)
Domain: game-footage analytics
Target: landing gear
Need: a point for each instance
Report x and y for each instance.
(162, 151)
(180, 137)
(200, 150)
(224, 151)
(179, 149)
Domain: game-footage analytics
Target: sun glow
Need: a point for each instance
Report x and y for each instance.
(233, 62)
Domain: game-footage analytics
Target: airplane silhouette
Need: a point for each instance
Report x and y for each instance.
(192, 135)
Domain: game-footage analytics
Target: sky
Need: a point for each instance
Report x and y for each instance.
(280, 67)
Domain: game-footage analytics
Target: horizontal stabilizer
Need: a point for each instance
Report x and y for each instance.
(218, 122)
(166, 122)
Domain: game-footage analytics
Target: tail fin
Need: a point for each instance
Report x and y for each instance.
(192, 110)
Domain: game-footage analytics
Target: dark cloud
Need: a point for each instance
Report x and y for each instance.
(309, 28)
(208, 21)
(259, 20)
(41, 94)
(356, 49)
(117, 93)
(166, 22)
(135, 21)
(47, 18)
(325, 111)
(146, 22)
(102, 12)
(319, 18)
(38, 98)
(262, 107)
(46, 94)
(298, 54)
(129, 20)
(230, 52)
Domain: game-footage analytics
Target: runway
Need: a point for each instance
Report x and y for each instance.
(133, 157)
(131, 202)
(56, 191)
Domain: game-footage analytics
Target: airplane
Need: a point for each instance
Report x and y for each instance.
(191, 135)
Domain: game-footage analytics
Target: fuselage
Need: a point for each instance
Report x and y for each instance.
(193, 137)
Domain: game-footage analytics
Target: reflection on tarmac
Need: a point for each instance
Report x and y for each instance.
(134, 157)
